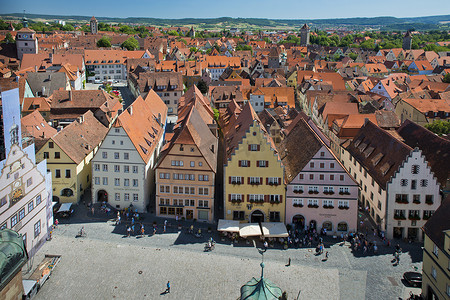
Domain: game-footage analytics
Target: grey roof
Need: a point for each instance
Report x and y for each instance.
(12, 255)
(260, 289)
(43, 84)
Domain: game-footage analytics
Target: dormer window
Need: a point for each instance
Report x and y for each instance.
(95, 61)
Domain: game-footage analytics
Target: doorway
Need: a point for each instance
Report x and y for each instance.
(102, 196)
(398, 232)
(299, 222)
(257, 217)
(189, 214)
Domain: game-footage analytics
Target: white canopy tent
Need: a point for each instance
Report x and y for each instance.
(274, 229)
(249, 229)
(228, 225)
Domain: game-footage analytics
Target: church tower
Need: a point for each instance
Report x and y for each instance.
(26, 41)
(304, 35)
(407, 41)
(94, 25)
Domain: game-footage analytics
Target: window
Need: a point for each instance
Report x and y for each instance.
(126, 182)
(116, 168)
(328, 190)
(415, 169)
(135, 169)
(424, 182)
(13, 220)
(413, 184)
(105, 180)
(4, 226)
(341, 177)
(117, 181)
(203, 177)
(203, 203)
(126, 155)
(30, 206)
(29, 181)
(57, 173)
(126, 197)
(273, 180)
(37, 229)
(51, 145)
(274, 216)
(322, 165)
(236, 180)
(238, 215)
(177, 163)
(104, 154)
(321, 177)
(262, 163)
(429, 199)
(435, 250)
(254, 180)
(97, 180)
(67, 173)
(135, 197)
(322, 154)
(105, 168)
(404, 182)
(117, 196)
(244, 163)
(298, 189)
(313, 202)
(253, 147)
(126, 169)
(331, 165)
(46, 155)
(311, 176)
(21, 214)
(344, 190)
(311, 165)
(192, 164)
(135, 182)
(433, 272)
(96, 167)
(116, 155)
(343, 203)
(328, 203)
(38, 200)
(203, 191)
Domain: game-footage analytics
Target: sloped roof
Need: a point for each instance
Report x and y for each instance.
(79, 99)
(80, 138)
(34, 124)
(46, 82)
(435, 149)
(439, 223)
(379, 152)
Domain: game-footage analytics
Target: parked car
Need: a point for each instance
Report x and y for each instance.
(413, 278)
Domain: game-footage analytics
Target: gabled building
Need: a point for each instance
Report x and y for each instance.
(320, 193)
(254, 184)
(69, 154)
(398, 187)
(422, 110)
(186, 171)
(123, 167)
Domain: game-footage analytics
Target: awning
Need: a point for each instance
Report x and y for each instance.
(249, 229)
(28, 285)
(273, 229)
(228, 225)
(65, 207)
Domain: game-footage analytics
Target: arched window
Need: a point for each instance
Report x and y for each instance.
(342, 226)
(66, 192)
(327, 225)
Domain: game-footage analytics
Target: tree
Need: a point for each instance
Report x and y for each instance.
(67, 27)
(446, 78)
(104, 42)
(202, 86)
(173, 32)
(9, 39)
(353, 56)
(439, 127)
(130, 44)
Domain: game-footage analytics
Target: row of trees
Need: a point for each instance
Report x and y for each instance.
(130, 44)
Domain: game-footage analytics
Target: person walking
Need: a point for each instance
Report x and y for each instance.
(128, 231)
(168, 287)
(92, 210)
(142, 230)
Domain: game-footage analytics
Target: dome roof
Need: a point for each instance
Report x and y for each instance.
(13, 255)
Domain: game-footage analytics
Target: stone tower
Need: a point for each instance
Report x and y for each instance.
(407, 41)
(94, 25)
(26, 41)
(304, 35)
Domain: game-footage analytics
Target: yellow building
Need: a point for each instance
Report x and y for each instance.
(436, 254)
(254, 186)
(422, 111)
(69, 154)
(292, 79)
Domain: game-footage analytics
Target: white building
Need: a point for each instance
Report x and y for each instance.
(122, 169)
(26, 42)
(106, 65)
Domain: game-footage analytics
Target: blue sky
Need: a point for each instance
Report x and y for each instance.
(273, 9)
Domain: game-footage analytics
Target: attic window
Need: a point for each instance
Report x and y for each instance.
(377, 158)
(110, 61)
(117, 61)
(95, 61)
(143, 149)
(89, 62)
(151, 135)
(357, 143)
(155, 130)
(148, 142)
(369, 151)
(385, 168)
(103, 61)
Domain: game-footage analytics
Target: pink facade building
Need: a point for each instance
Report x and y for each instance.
(320, 193)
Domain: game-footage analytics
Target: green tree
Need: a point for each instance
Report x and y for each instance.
(202, 86)
(130, 44)
(104, 42)
(446, 78)
(439, 127)
(173, 32)
(9, 39)
(67, 27)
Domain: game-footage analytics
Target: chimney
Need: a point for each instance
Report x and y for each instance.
(130, 110)
(35, 69)
(70, 95)
(43, 91)
(51, 57)
(81, 119)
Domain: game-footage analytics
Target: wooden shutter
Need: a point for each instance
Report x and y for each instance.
(260, 180)
(267, 163)
(229, 197)
(248, 198)
(266, 198)
(248, 180)
(279, 180)
(258, 147)
(281, 198)
(249, 147)
(267, 180)
(242, 197)
(242, 180)
(229, 179)
(248, 163)
(257, 163)
(240, 163)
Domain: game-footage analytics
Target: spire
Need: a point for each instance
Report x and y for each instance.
(262, 269)
(24, 20)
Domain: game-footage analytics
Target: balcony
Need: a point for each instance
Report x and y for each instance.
(344, 193)
(328, 206)
(297, 205)
(298, 191)
(399, 217)
(236, 201)
(313, 205)
(343, 207)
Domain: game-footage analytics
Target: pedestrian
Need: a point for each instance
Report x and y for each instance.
(118, 219)
(92, 209)
(142, 229)
(168, 287)
(326, 255)
(132, 221)
(128, 231)
(176, 218)
(154, 229)
(164, 228)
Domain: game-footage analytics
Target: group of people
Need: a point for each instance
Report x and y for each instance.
(360, 242)
(131, 229)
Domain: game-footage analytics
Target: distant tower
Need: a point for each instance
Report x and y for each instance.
(304, 35)
(94, 25)
(407, 41)
(26, 41)
(192, 32)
